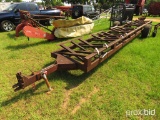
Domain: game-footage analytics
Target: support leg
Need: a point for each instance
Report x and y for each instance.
(46, 81)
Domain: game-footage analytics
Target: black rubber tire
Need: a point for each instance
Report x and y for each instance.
(97, 17)
(154, 34)
(146, 30)
(88, 15)
(7, 25)
(76, 14)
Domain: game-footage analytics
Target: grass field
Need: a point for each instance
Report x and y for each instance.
(127, 82)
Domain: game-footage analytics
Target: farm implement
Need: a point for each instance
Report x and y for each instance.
(31, 27)
(62, 28)
(86, 54)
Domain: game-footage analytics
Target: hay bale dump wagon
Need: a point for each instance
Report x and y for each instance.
(87, 54)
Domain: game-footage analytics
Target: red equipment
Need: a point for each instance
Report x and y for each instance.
(37, 33)
(28, 23)
(64, 8)
(25, 21)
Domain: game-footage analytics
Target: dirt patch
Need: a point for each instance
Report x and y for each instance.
(83, 100)
(66, 99)
(152, 19)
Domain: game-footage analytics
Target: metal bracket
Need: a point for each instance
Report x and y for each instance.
(43, 74)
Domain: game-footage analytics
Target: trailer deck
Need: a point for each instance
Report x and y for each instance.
(85, 54)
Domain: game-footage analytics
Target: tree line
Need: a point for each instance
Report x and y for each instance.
(104, 4)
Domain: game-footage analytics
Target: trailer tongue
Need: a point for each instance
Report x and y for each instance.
(86, 54)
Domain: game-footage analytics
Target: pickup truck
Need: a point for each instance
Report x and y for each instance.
(10, 18)
(84, 10)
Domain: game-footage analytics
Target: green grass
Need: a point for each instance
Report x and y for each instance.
(129, 80)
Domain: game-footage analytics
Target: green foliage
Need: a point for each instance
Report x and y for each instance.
(13, 0)
(78, 1)
(46, 3)
(150, 1)
(56, 3)
(52, 3)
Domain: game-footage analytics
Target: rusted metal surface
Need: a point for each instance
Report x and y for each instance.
(86, 54)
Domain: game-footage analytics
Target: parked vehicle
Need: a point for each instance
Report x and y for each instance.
(84, 10)
(139, 5)
(67, 10)
(10, 18)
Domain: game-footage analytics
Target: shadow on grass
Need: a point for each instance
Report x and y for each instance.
(13, 35)
(25, 95)
(26, 45)
(23, 46)
(72, 82)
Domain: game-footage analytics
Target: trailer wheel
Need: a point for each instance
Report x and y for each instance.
(7, 25)
(76, 14)
(146, 30)
(88, 15)
(154, 34)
